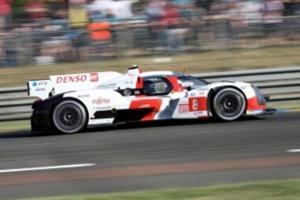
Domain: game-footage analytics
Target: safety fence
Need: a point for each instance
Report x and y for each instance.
(281, 84)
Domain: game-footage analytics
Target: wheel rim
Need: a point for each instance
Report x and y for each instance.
(229, 105)
(69, 117)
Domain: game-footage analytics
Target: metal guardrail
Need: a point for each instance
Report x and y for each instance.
(281, 84)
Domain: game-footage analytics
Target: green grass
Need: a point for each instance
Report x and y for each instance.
(277, 190)
(221, 60)
(13, 126)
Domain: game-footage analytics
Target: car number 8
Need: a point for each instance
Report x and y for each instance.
(195, 104)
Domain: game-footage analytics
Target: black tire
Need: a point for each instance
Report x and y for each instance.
(69, 116)
(229, 104)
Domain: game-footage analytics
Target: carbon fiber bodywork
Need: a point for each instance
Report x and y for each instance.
(41, 115)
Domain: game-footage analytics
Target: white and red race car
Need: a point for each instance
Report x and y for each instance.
(72, 102)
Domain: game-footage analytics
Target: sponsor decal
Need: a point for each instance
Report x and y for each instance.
(101, 108)
(204, 88)
(101, 101)
(71, 79)
(108, 86)
(198, 113)
(194, 104)
(40, 90)
(144, 106)
(197, 104)
(83, 96)
(39, 83)
(183, 108)
(94, 77)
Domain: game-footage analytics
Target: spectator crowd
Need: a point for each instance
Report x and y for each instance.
(48, 31)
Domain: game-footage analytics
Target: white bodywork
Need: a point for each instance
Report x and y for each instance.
(100, 91)
(58, 84)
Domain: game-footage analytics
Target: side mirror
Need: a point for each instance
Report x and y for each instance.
(188, 85)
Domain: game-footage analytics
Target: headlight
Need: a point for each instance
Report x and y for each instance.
(260, 96)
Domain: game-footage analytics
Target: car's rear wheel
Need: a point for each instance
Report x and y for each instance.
(229, 104)
(69, 116)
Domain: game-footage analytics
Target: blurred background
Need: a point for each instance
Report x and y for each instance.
(60, 31)
(39, 38)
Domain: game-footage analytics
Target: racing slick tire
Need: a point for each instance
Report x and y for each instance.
(229, 104)
(69, 116)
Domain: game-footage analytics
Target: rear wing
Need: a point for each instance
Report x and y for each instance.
(58, 84)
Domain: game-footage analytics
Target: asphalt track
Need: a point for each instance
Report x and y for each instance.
(151, 156)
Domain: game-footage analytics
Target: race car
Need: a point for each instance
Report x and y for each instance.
(71, 103)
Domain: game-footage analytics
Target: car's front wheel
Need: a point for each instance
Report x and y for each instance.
(229, 104)
(69, 116)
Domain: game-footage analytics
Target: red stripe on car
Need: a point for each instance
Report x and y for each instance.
(140, 83)
(153, 104)
(174, 81)
(254, 105)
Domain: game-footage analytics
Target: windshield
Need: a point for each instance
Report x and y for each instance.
(196, 81)
(156, 86)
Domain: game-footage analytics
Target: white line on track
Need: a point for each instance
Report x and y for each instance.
(47, 168)
(293, 151)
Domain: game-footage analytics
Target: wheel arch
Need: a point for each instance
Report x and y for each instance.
(213, 91)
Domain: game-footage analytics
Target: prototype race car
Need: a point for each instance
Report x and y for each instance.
(72, 102)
